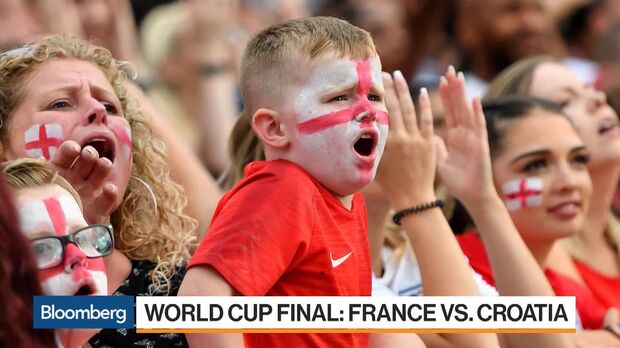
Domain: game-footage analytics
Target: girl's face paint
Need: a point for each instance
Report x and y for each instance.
(68, 99)
(543, 176)
(43, 140)
(51, 211)
(522, 193)
(341, 123)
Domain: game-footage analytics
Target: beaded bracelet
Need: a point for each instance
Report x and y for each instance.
(416, 209)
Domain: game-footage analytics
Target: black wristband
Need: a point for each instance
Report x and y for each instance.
(438, 203)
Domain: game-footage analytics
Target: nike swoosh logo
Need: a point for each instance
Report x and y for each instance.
(338, 262)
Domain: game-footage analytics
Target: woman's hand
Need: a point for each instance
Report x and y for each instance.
(464, 162)
(88, 173)
(407, 170)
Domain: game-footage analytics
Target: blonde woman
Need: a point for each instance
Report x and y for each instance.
(66, 101)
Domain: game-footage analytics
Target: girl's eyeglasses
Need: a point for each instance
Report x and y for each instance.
(94, 241)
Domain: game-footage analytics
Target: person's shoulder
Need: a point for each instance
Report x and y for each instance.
(278, 175)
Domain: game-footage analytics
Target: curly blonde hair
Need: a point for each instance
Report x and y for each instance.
(163, 235)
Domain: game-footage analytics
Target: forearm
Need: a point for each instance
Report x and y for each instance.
(442, 265)
(211, 103)
(515, 269)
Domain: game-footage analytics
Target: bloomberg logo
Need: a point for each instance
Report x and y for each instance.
(81, 312)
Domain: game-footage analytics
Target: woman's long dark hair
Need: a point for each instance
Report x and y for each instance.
(18, 279)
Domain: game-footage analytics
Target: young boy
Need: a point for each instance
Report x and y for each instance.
(296, 224)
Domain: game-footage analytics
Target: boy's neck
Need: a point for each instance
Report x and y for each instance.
(347, 201)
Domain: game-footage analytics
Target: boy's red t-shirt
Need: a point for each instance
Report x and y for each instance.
(591, 311)
(279, 232)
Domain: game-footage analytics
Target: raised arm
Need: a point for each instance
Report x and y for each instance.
(465, 168)
(407, 174)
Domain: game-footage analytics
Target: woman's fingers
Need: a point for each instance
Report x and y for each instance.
(406, 103)
(445, 99)
(66, 154)
(479, 120)
(392, 104)
(426, 114)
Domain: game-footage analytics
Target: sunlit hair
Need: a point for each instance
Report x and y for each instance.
(516, 79)
(163, 236)
(23, 173)
(280, 55)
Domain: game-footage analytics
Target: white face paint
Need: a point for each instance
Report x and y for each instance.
(42, 140)
(46, 211)
(341, 104)
(522, 193)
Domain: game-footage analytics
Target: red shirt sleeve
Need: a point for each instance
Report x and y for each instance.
(472, 247)
(260, 229)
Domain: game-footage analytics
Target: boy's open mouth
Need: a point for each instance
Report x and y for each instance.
(103, 146)
(365, 144)
(85, 290)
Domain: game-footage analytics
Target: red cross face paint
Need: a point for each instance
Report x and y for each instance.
(71, 100)
(522, 193)
(341, 123)
(47, 211)
(43, 140)
(123, 133)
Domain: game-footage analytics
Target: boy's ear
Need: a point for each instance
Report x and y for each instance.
(267, 125)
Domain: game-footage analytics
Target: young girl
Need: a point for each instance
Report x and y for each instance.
(18, 279)
(592, 256)
(66, 101)
(68, 252)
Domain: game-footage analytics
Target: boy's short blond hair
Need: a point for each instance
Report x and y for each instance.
(276, 56)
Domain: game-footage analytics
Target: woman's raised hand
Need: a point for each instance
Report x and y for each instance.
(463, 161)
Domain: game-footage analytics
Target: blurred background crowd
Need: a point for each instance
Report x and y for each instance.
(186, 53)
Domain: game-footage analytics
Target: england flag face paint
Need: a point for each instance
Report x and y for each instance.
(43, 140)
(341, 123)
(69, 99)
(523, 193)
(122, 131)
(51, 211)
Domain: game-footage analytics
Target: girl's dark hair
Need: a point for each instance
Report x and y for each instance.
(500, 110)
(18, 277)
(498, 114)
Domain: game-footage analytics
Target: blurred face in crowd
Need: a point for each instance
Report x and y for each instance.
(504, 30)
(542, 176)
(596, 121)
(17, 24)
(386, 24)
